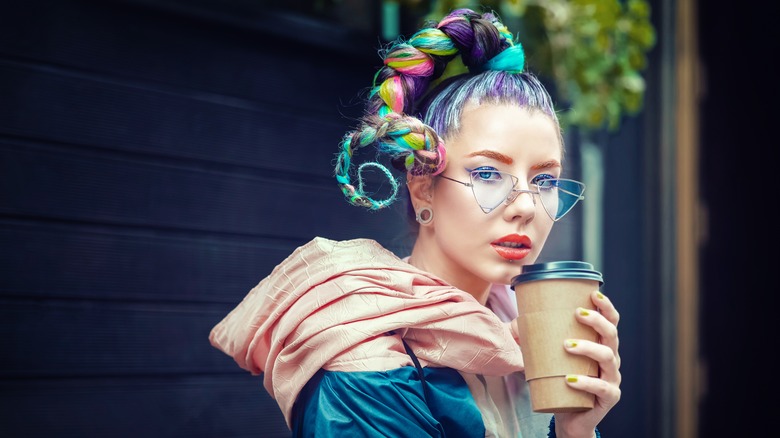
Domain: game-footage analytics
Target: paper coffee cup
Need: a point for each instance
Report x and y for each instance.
(548, 295)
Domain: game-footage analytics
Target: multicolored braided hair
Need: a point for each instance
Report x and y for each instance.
(478, 42)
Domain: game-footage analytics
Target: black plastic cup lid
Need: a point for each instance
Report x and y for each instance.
(558, 270)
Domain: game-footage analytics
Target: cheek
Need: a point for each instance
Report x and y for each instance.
(458, 221)
(456, 204)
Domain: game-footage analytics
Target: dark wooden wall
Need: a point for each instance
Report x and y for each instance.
(154, 166)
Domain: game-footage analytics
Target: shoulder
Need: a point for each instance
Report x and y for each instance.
(361, 251)
(325, 257)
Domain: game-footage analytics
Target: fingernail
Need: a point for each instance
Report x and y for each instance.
(571, 343)
(584, 312)
(571, 378)
(600, 295)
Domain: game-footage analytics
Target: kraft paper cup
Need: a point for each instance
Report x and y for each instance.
(548, 295)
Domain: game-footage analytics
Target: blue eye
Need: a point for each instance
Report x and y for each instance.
(541, 177)
(486, 175)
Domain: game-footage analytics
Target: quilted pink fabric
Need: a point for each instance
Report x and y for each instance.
(330, 305)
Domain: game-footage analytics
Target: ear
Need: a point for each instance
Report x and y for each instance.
(420, 190)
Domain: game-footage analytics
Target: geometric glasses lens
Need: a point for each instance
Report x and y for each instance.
(559, 195)
(491, 188)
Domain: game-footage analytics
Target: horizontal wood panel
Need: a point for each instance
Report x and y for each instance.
(100, 189)
(131, 43)
(60, 338)
(79, 261)
(207, 407)
(47, 107)
(153, 167)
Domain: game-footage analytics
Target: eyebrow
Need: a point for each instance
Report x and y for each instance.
(547, 165)
(508, 160)
(492, 154)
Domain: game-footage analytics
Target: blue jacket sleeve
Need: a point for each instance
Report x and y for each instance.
(388, 404)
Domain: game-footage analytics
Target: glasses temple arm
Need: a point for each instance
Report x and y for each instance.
(579, 197)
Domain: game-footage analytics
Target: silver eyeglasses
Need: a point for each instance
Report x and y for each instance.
(492, 187)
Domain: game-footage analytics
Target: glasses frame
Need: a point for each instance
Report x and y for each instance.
(514, 193)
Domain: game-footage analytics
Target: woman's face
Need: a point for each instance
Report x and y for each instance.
(473, 247)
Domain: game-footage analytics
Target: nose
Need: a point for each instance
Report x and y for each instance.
(521, 203)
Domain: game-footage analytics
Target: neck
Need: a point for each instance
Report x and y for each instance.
(427, 256)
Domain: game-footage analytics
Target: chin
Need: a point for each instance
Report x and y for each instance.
(506, 274)
(509, 270)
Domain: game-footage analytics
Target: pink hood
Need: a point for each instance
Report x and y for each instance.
(330, 304)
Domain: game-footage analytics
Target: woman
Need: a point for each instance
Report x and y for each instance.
(354, 341)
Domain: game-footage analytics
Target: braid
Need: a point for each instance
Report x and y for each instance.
(409, 69)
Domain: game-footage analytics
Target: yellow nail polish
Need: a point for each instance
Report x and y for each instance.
(584, 312)
(571, 378)
(571, 343)
(600, 295)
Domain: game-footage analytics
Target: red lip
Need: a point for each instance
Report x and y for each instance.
(513, 252)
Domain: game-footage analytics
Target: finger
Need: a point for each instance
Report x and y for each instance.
(608, 394)
(605, 307)
(607, 331)
(609, 362)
